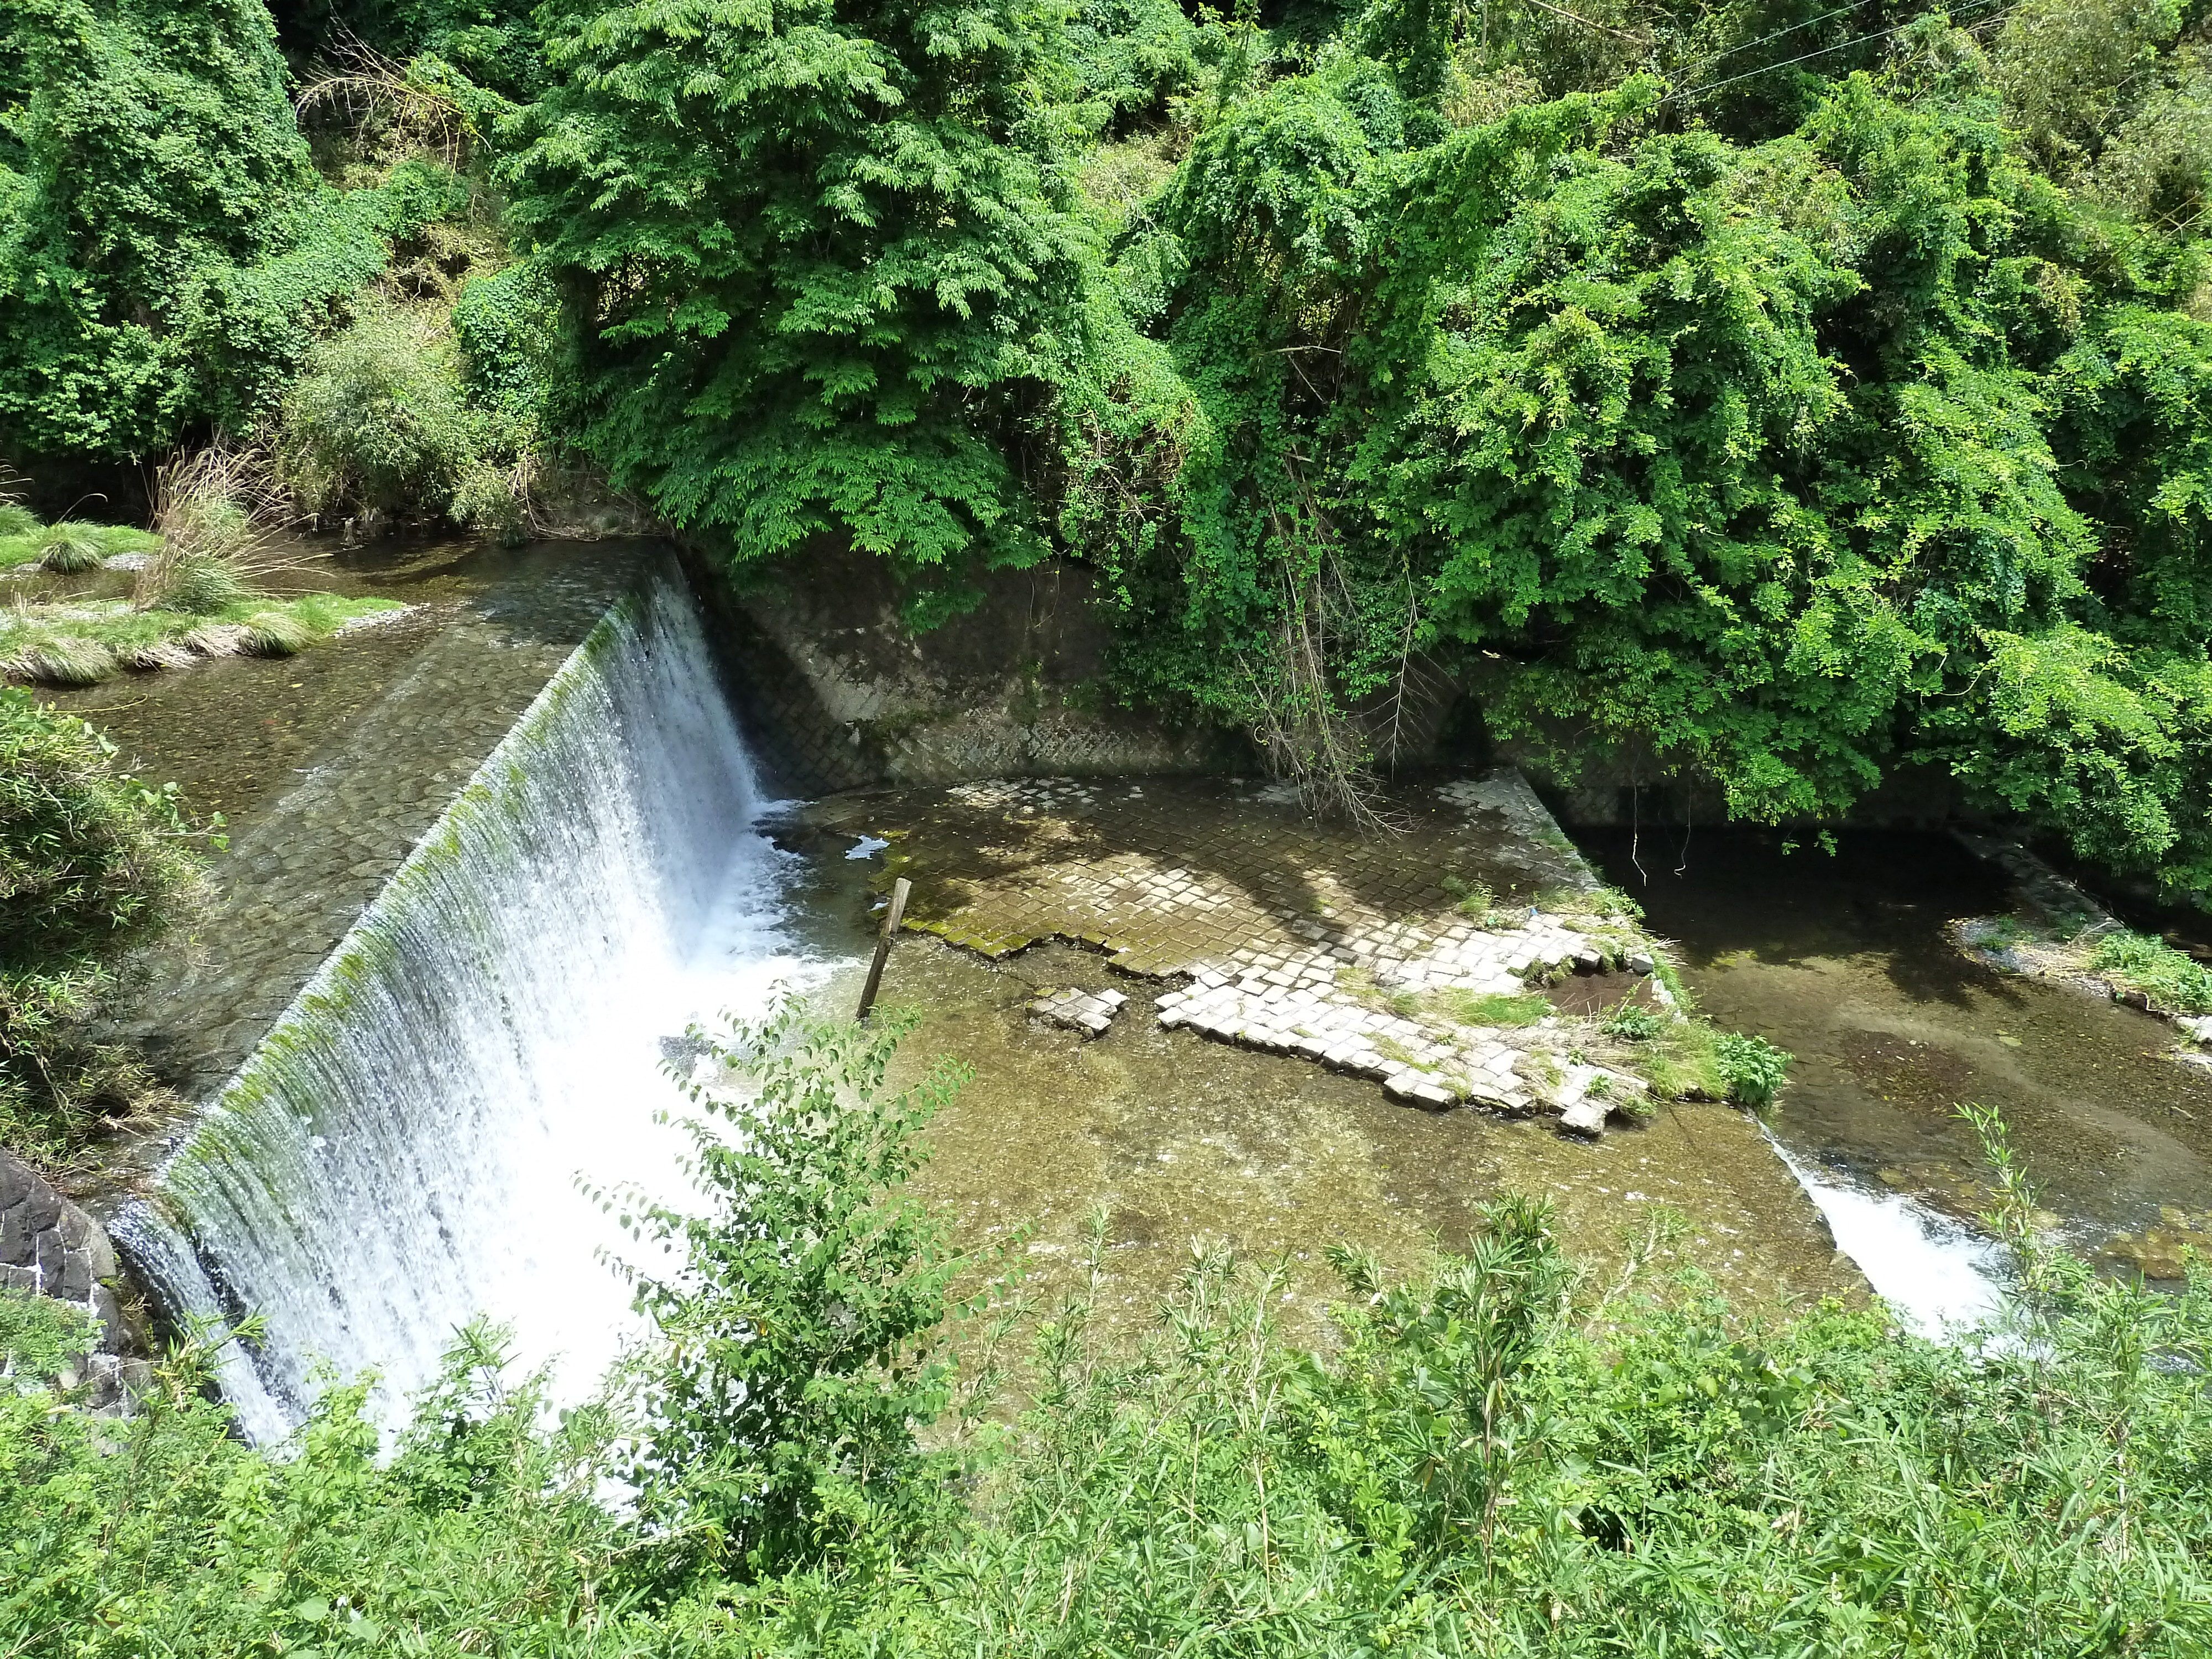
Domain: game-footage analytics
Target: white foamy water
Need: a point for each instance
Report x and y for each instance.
(1944, 1276)
(412, 1142)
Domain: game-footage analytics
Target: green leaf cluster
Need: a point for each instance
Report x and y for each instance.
(821, 254)
(92, 863)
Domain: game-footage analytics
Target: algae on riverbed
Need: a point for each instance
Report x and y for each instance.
(1181, 1139)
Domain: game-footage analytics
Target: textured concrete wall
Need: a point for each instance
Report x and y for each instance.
(49, 1246)
(838, 692)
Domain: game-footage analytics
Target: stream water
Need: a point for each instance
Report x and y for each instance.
(429, 1130)
(1846, 961)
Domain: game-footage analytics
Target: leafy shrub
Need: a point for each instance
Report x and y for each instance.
(800, 1329)
(2172, 979)
(39, 1336)
(378, 421)
(1752, 1067)
(91, 864)
(90, 861)
(839, 318)
(507, 328)
(1130, 55)
(167, 249)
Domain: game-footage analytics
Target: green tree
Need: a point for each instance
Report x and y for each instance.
(819, 262)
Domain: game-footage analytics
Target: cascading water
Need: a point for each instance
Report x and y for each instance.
(1946, 1278)
(415, 1141)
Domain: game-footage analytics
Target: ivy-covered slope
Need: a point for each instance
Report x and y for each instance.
(1790, 392)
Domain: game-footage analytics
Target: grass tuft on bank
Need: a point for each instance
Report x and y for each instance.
(25, 541)
(83, 643)
(2171, 981)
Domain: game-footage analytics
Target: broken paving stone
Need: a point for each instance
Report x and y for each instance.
(1584, 1117)
(1198, 888)
(1088, 1011)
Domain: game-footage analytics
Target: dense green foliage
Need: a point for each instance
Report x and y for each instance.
(165, 251)
(379, 422)
(826, 256)
(1786, 394)
(1776, 458)
(2174, 983)
(91, 863)
(1492, 1457)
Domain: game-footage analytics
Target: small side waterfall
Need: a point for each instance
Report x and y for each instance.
(404, 1149)
(1944, 1277)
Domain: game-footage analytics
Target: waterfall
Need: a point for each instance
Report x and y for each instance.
(1946, 1279)
(417, 1139)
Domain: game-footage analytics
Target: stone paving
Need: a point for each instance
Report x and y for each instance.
(1088, 1011)
(1408, 960)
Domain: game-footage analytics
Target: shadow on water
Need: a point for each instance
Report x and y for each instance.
(1845, 960)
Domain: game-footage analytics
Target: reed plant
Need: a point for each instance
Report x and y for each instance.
(221, 516)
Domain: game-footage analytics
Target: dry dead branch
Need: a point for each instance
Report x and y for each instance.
(383, 106)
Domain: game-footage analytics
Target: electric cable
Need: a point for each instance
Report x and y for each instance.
(1704, 63)
(1789, 63)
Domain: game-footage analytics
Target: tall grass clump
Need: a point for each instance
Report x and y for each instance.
(218, 512)
(69, 549)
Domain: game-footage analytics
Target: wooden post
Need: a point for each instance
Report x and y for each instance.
(891, 918)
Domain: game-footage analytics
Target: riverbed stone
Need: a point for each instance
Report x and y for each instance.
(51, 1247)
(1270, 931)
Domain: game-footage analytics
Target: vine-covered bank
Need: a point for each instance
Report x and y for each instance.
(1793, 394)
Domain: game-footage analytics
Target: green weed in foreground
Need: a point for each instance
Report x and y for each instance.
(92, 865)
(1493, 1458)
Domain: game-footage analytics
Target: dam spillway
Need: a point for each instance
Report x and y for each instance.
(422, 1135)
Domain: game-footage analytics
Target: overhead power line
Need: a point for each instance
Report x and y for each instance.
(1706, 62)
(1791, 63)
